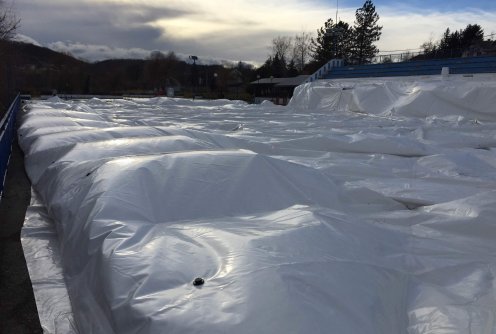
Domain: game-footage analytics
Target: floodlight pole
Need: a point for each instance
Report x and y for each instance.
(337, 10)
(335, 32)
(194, 74)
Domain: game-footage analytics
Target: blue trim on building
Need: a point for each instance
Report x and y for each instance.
(468, 65)
(7, 133)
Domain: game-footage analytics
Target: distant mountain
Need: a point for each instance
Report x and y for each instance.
(37, 70)
(30, 54)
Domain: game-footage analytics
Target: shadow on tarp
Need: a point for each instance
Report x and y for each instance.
(18, 312)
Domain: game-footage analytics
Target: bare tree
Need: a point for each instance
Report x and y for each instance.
(8, 21)
(281, 46)
(301, 49)
(429, 46)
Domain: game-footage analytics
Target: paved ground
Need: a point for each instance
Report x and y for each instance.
(18, 314)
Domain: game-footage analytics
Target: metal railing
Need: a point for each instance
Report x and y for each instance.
(396, 57)
(434, 54)
(7, 133)
(321, 72)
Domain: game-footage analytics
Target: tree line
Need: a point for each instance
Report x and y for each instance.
(454, 44)
(355, 44)
(41, 71)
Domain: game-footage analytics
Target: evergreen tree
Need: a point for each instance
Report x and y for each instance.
(472, 34)
(279, 68)
(273, 66)
(344, 40)
(292, 70)
(453, 44)
(366, 32)
(265, 70)
(321, 46)
(333, 41)
(444, 45)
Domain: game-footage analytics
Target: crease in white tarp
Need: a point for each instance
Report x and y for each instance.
(348, 211)
(42, 252)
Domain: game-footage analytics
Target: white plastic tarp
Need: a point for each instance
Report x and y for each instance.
(362, 207)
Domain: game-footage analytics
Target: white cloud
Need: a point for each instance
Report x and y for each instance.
(25, 39)
(409, 29)
(222, 29)
(92, 52)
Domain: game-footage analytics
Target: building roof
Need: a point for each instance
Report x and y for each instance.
(267, 81)
(295, 81)
(281, 82)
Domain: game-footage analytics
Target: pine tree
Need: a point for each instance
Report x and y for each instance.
(366, 32)
(292, 70)
(265, 70)
(343, 39)
(279, 67)
(333, 41)
(450, 45)
(453, 44)
(472, 34)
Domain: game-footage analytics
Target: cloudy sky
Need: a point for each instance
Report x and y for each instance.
(227, 29)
